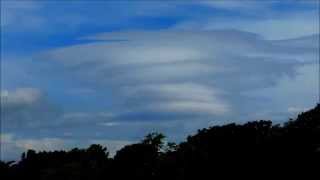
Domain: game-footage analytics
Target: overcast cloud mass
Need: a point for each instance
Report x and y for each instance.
(112, 72)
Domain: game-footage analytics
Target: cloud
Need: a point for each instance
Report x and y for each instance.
(237, 5)
(182, 74)
(30, 120)
(169, 81)
(179, 97)
(84, 118)
(31, 108)
(14, 72)
(303, 87)
(272, 20)
(297, 109)
(26, 108)
(22, 96)
(273, 27)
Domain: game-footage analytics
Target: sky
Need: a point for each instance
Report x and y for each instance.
(79, 72)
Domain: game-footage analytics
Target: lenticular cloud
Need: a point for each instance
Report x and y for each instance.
(183, 73)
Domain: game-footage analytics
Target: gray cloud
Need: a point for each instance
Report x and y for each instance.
(26, 108)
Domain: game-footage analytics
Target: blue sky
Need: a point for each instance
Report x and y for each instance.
(80, 72)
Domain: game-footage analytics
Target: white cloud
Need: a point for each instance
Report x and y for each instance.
(297, 109)
(20, 96)
(184, 72)
(30, 108)
(180, 97)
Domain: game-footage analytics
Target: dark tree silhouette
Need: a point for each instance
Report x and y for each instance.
(252, 148)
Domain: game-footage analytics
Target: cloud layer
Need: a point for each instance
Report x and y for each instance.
(183, 73)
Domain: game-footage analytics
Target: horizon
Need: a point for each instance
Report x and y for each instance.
(78, 73)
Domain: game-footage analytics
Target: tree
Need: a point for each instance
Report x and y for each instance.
(154, 139)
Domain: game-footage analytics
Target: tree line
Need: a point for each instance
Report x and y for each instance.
(230, 150)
